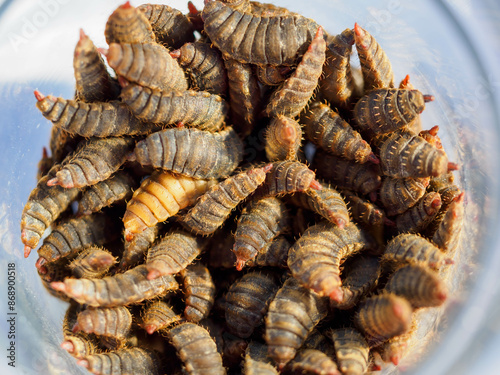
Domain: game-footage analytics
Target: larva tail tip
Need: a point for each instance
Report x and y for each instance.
(38, 95)
(127, 5)
(267, 168)
(53, 182)
(153, 274)
(453, 167)
(341, 223)
(129, 236)
(405, 82)
(240, 263)
(436, 202)
(45, 153)
(193, 11)
(460, 197)
(358, 31)
(40, 262)
(175, 54)
(373, 158)
(315, 185)
(449, 261)
(102, 260)
(336, 295)
(319, 33)
(68, 346)
(398, 310)
(150, 328)
(442, 295)
(59, 286)
(289, 134)
(27, 251)
(83, 35)
(84, 362)
(395, 359)
(434, 130)
(76, 328)
(428, 98)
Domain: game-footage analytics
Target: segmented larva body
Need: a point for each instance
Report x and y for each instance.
(184, 151)
(169, 25)
(274, 254)
(44, 164)
(315, 258)
(118, 188)
(55, 271)
(198, 109)
(271, 75)
(247, 301)
(293, 95)
(93, 82)
(121, 289)
(92, 263)
(205, 66)
(363, 211)
(293, 314)
(311, 361)
(78, 344)
(135, 249)
(375, 65)
(399, 194)
(446, 188)
(158, 316)
(133, 360)
(447, 235)
(61, 143)
(160, 196)
(325, 128)
(260, 222)
(95, 161)
(261, 40)
(361, 277)
(240, 5)
(114, 322)
(419, 285)
(396, 347)
(283, 138)
(351, 350)
(215, 206)
(196, 349)
(337, 85)
(256, 361)
(244, 95)
(199, 292)
(417, 218)
(174, 252)
(128, 25)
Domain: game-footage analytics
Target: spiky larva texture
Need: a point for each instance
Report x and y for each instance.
(418, 217)
(169, 25)
(351, 350)
(399, 194)
(198, 109)
(160, 196)
(184, 151)
(127, 24)
(347, 174)
(133, 360)
(158, 316)
(420, 286)
(259, 223)
(396, 347)
(92, 263)
(199, 292)
(174, 252)
(315, 258)
(196, 349)
(311, 361)
(126, 288)
(268, 39)
(283, 138)
(94, 161)
(93, 81)
(135, 249)
(271, 75)
(383, 316)
(375, 65)
(256, 361)
(361, 277)
(118, 188)
(337, 85)
(292, 96)
(363, 211)
(106, 321)
(215, 206)
(78, 344)
(274, 254)
(447, 235)
(244, 95)
(205, 66)
(247, 301)
(325, 128)
(293, 314)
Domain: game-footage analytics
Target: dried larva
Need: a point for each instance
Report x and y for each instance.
(135, 249)
(420, 286)
(127, 24)
(123, 361)
(147, 64)
(118, 188)
(93, 81)
(448, 232)
(273, 40)
(293, 314)
(383, 316)
(158, 316)
(260, 222)
(315, 258)
(170, 26)
(159, 197)
(215, 206)
(256, 361)
(325, 128)
(184, 151)
(95, 161)
(126, 288)
(311, 361)
(247, 301)
(293, 95)
(274, 254)
(351, 350)
(417, 218)
(198, 109)
(92, 263)
(113, 322)
(199, 292)
(375, 65)
(78, 344)
(283, 138)
(271, 75)
(399, 194)
(174, 252)
(244, 95)
(205, 66)
(112, 118)
(196, 349)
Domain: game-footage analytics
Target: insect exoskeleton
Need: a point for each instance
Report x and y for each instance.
(135, 249)
(158, 316)
(351, 350)
(78, 344)
(199, 292)
(256, 361)
(447, 234)
(399, 194)
(113, 322)
(274, 254)
(272, 75)
(283, 138)
(92, 262)
(127, 24)
(311, 361)
(417, 218)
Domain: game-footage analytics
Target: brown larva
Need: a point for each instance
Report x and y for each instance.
(256, 361)
(447, 234)
(78, 344)
(158, 316)
(271, 75)
(365, 212)
(199, 292)
(283, 138)
(135, 249)
(351, 350)
(274, 254)
(127, 24)
(396, 347)
(61, 143)
(311, 361)
(399, 194)
(417, 218)
(93, 262)
(55, 271)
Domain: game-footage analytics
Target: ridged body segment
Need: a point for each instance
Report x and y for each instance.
(283, 138)
(286, 177)
(274, 254)
(135, 249)
(311, 361)
(417, 218)
(78, 344)
(130, 361)
(106, 321)
(128, 24)
(256, 361)
(351, 350)
(93, 262)
(399, 194)
(158, 316)
(447, 235)
(199, 292)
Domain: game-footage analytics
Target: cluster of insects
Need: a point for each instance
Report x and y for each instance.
(199, 246)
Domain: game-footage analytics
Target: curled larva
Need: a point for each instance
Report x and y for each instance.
(78, 344)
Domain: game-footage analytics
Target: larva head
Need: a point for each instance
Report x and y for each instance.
(416, 101)
(44, 103)
(432, 203)
(84, 44)
(361, 37)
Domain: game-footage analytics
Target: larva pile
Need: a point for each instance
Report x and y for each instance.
(192, 251)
